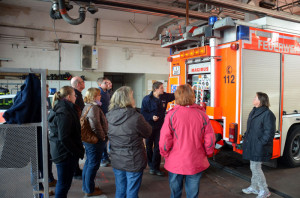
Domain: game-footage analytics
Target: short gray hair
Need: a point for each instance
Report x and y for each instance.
(156, 85)
(121, 98)
(74, 81)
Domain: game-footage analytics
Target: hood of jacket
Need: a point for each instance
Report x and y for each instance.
(118, 116)
(189, 106)
(60, 107)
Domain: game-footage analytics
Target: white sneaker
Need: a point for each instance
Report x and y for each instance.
(250, 190)
(264, 194)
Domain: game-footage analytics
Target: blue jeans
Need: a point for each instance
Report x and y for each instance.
(192, 183)
(91, 165)
(105, 153)
(65, 172)
(127, 183)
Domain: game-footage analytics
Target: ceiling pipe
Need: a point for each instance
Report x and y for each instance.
(234, 5)
(162, 26)
(187, 13)
(67, 18)
(95, 30)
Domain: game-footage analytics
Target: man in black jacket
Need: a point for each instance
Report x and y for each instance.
(154, 109)
(78, 84)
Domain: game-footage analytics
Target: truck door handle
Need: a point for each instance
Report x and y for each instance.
(298, 119)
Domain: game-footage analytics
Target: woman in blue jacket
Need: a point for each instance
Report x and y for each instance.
(258, 143)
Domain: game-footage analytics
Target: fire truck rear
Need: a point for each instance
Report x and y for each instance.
(228, 61)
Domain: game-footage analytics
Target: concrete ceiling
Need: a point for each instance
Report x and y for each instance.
(110, 10)
(158, 11)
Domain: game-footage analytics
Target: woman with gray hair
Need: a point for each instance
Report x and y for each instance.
(126, 130)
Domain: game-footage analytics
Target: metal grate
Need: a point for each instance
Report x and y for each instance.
(18, 160)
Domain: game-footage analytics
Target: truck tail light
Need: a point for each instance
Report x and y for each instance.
(233, 127)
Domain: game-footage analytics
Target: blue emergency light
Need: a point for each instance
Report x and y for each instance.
(242, 33)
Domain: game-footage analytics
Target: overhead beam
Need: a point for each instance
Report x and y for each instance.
(146, 6)
(234, 5)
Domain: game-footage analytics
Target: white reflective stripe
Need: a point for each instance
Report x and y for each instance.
(176, 56)
(250, 38)
(223, 46)
(224, 129)
(218, 146)
(287, 37)
(238, 71)
(291, 115)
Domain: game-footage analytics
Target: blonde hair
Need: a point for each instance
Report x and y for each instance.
(91, 94)
(184, 95)
(121, 98)
(62, 94)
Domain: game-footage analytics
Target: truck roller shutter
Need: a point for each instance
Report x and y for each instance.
(291, 91)
(260, 73)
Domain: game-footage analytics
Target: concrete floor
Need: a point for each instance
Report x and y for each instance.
(215, 183)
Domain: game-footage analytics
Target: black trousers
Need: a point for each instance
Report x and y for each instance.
(153, 154)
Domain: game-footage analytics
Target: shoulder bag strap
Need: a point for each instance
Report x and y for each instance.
(84, 115)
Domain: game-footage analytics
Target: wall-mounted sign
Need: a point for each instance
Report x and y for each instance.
(176, 70)
(199, 68)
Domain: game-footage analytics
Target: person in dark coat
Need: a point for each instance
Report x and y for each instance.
(27, 103)
(126, 130)
(104, 86)
(258, 143)
(65, 138)
(78, 84)
(154, 109)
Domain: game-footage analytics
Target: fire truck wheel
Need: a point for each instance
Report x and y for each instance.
(291, 155)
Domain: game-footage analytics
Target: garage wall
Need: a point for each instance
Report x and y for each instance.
(29, 42)
(136, 82)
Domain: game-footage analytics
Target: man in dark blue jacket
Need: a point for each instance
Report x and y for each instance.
(154, 109)
(104, 85)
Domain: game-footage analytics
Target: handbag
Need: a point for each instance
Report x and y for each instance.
(87, 135)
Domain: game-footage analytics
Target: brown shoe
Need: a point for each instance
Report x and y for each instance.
(53, 183)
(96, 192)
(51, 192)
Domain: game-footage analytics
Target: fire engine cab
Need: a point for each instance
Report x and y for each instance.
(227, 61)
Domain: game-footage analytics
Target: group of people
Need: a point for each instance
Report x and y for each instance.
(185, 133)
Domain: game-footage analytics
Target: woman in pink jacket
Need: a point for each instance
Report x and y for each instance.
(186, 135)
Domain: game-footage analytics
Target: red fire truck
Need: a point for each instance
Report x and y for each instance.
(227, 62)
